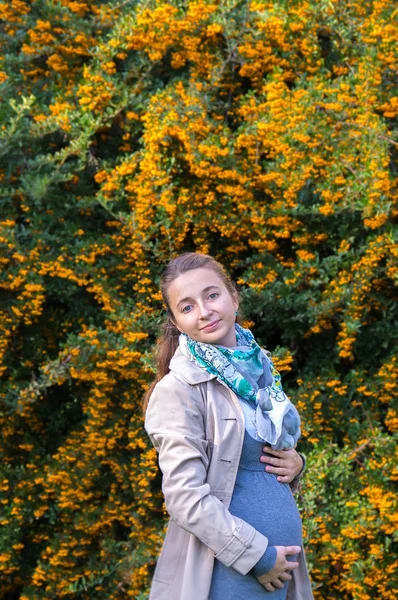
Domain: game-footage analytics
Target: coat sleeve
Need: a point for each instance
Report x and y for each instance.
(175, 422)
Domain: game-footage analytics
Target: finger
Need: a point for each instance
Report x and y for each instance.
(278, 463)
(285, 576)
(291, 566)
(271, 460)
(285, 479)
(277, 583)
(269, 587)
(269, 450)
(292, 550)
(277, 470)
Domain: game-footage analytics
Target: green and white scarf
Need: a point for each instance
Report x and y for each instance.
(276, 420)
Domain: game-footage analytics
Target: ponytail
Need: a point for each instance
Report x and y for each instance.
(166, 347)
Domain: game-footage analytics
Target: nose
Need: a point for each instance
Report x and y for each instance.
(204, 310)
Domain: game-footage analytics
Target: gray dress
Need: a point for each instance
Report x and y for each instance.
(266, 504)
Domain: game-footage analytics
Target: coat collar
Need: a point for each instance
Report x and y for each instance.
(186, 369)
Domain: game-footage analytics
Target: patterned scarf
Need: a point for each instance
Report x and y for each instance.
(245, 371)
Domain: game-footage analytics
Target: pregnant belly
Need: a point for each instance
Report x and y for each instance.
(268, 505)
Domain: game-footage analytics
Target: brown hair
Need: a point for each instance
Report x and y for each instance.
(168, 342)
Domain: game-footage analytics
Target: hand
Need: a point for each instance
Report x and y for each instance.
(277, 577)
(287, 464)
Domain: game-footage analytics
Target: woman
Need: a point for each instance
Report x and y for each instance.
(217, 402)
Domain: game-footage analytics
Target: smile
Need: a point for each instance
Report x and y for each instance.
(210, 326)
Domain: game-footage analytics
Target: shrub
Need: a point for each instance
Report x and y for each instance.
(261, 132)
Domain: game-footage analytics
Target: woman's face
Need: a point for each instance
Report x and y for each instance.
(203, 308)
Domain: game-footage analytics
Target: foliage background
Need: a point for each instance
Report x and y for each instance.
(261, 132)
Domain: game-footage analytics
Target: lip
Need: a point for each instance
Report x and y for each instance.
(211, 326)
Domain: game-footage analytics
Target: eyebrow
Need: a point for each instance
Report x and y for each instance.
(204, 291)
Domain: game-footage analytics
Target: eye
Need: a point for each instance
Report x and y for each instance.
(213, 295)
(187, 308)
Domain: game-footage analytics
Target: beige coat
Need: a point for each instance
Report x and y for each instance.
(197, 426)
